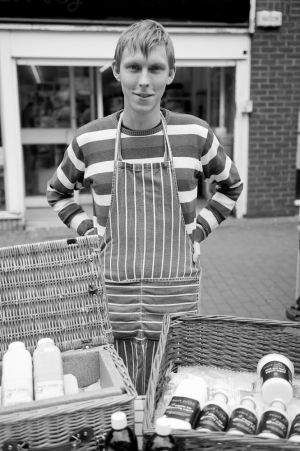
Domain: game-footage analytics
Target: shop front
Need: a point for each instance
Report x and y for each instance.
(56, 77)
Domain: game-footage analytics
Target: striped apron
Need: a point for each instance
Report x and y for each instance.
(147, 257)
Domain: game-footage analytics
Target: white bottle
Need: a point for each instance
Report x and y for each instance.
(186, 403)
(47, 370)
(215, 413)
(70, 384)
(17, 386)
(274, 422)
(243, 419)
(276, 373)
(294, 434)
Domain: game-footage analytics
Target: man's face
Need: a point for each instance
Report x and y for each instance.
(144, 79)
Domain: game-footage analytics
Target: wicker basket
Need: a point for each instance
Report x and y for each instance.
(225, 342)
(56, 289)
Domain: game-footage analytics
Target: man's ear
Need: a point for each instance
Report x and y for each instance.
(115, 72)
(171, 77)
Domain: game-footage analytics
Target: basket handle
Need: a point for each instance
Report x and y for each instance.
(76, 440)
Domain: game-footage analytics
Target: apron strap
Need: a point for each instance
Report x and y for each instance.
(167, 147)
(118, 156)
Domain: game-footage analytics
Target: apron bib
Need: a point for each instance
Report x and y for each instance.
(146, 256)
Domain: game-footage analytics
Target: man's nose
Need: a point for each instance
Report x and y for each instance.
(144, 78)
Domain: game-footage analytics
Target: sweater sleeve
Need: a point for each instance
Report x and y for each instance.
(61, 188)
(218, 169)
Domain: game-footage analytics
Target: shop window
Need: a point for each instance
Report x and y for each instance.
(56, 96)
(113, 96)
(85, 95)
(44, 97)
(40, 162)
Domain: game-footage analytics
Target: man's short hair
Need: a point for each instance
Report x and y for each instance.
(144, 35)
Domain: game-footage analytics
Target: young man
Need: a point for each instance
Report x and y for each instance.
(143, 165)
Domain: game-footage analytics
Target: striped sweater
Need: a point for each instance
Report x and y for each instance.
(89, 159)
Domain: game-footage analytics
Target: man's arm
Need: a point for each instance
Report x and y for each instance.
(219, 169)
(60, 191)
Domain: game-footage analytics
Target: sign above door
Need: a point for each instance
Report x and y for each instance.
(217, 13)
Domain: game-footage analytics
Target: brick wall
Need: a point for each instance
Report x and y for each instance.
(275, 91)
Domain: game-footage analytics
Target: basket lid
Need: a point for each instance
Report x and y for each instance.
(54, 289)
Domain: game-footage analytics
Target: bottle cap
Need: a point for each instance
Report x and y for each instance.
(278, 404)
(118, 420)
(16, 346)
(275, 357)
(44, 341)
(248, 401)
(162, 426)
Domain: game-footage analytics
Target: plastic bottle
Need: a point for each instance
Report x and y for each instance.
(274, 422)
(294, 434)
(70, 384)
(162, 439)
(186, 403)
(48, 374)
(215, 413)
(17, 385)
(276, 373)
(243, 419)
(120, 437)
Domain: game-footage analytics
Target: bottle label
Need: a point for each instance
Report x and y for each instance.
(182, 408)
(274, 422)
(49, 389)
(276, 369)
(295, 426)
(16, 395)
(213, 417)
(243, 420)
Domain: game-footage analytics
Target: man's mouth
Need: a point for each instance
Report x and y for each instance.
(143, 95)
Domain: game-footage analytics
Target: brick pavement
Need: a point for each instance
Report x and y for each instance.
(249, 265)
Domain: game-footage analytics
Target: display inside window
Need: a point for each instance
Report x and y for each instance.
(40, 162)
(56, 96)
(44, 96)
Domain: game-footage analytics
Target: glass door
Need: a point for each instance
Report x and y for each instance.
(54, 101)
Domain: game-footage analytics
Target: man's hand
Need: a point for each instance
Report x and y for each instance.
(196, 252)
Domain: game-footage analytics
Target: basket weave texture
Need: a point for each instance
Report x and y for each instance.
(56, 289)
(53, 288)
(226, 342)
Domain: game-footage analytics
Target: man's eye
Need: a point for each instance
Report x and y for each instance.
(133, 67)
(156, 68)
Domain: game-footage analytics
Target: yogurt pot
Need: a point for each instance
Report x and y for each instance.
(294, 434)
(243, 419)
(276, 373)
(274, 422)
(215, 414)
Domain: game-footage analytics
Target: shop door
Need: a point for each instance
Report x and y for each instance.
(54, 101)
